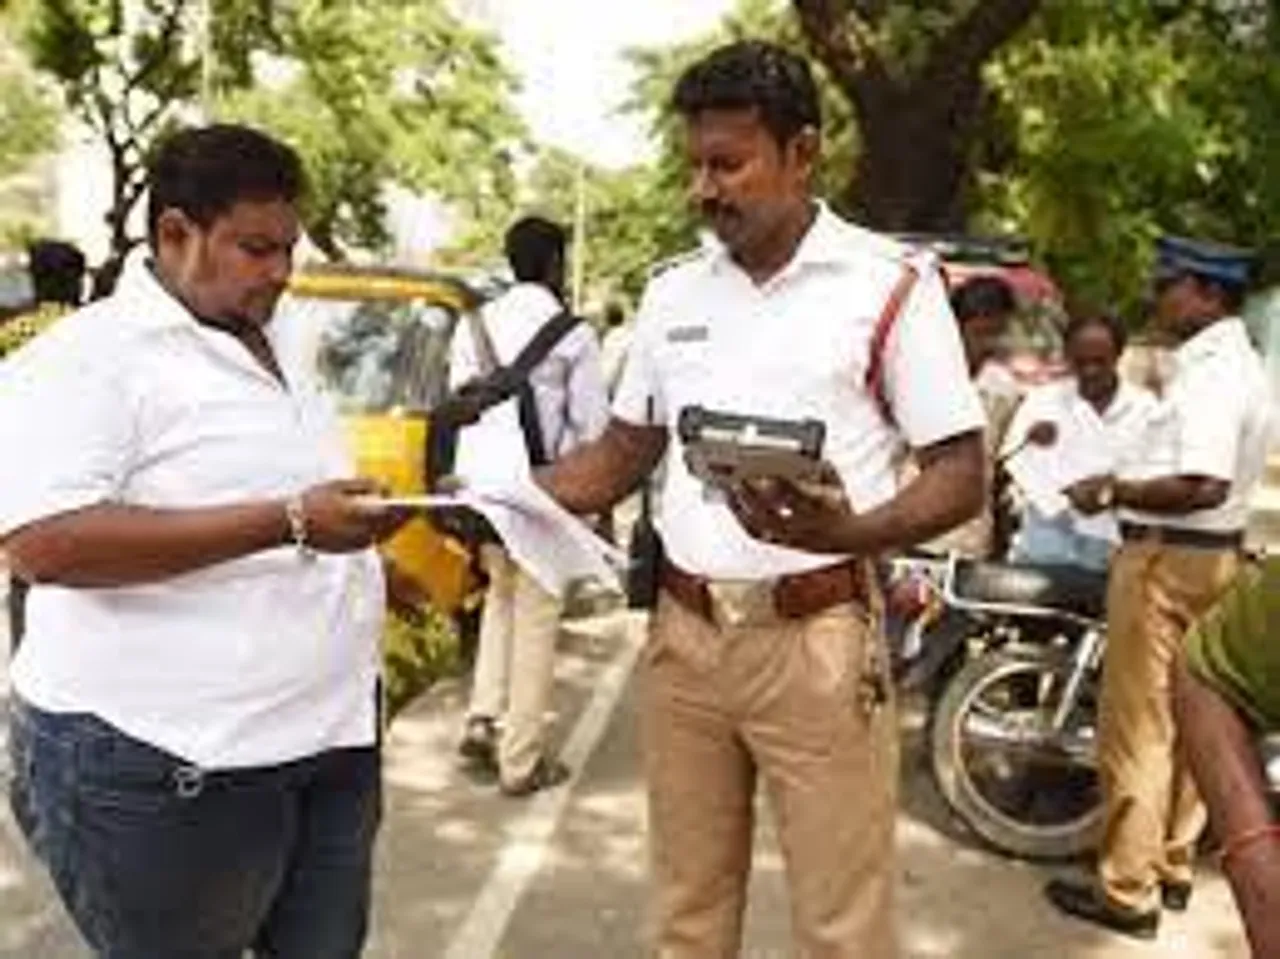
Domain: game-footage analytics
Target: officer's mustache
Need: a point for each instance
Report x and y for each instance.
(716, 210)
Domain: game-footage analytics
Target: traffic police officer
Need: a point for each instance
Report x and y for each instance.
(1183, 506)
(765, 659)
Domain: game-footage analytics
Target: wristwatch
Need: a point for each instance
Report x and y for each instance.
(1106, 497)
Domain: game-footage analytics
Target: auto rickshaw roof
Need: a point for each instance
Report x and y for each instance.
(336, 281)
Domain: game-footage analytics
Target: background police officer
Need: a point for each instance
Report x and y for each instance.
(764, 661)
(1183, 504)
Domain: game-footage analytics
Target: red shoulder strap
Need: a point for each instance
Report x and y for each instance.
(875, 380)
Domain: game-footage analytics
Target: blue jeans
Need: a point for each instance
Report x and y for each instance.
(1054, 542)
(155, 859)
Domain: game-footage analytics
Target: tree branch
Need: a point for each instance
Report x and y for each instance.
(165, 43)
(961, 52)
(842, 40)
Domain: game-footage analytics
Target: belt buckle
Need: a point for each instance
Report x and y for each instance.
(739, 603)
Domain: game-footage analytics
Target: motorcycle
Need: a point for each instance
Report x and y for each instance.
(1012, 733)
(1013, 655)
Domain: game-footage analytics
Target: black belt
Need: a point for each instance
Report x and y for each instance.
(1175, 536)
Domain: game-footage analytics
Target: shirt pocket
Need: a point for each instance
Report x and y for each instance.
(684, 370)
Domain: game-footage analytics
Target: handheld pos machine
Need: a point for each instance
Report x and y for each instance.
(723, 449)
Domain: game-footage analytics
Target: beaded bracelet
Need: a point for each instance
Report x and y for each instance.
(1245, 839)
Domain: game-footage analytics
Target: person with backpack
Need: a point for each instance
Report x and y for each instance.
(766, 666)
(547, 363)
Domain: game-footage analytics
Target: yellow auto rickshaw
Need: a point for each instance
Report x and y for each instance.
(379, 340)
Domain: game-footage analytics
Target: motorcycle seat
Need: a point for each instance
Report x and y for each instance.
(1065, 589)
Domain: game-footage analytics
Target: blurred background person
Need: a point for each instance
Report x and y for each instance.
(1101, 418)
(984, 307)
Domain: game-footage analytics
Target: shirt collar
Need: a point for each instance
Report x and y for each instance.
(823, 244)
(151, 306)
(1227, 332)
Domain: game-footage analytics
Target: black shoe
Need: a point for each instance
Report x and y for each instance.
(479, 744)
(1175, 896)
(546, 774)
(1087, 902)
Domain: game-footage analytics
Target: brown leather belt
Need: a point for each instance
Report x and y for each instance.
(795, 596)
(1175, 536)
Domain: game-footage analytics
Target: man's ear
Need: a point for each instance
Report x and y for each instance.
(805, 149)
(173, 230)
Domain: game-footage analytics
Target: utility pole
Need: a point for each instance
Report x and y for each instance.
(206, 59)
(579, 234)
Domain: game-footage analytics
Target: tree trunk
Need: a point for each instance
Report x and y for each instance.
(919, 131)
(913, 172)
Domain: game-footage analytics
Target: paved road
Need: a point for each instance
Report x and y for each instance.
(466, 874)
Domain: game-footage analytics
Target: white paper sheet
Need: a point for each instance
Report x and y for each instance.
(548, 542)
(1082, 450)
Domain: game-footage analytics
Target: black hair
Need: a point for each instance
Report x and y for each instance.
(533, 245)
(57, 271)
(983, 296)
(1230, 295)
(753, 74)
(205, 171)
(614, 314)
(1105, 321)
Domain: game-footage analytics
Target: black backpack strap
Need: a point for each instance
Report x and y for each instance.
(542, 343)
(521, 370)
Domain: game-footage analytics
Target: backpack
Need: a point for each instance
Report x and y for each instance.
(496, 384)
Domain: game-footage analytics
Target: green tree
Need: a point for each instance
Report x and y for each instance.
(399, 92)
(28, 117)
(913, 74)
(124, 70)
(1129, 118)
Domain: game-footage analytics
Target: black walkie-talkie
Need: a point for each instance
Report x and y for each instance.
(644, 551)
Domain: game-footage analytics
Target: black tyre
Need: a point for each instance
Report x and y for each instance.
(1023, 791)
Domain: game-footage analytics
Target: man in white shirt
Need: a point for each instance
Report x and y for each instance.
(563, 405)
(1091, 420)
(194, 729)
(1182, 505)
(765, 662)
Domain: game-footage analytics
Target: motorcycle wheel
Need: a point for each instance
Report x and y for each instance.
(1019, 790)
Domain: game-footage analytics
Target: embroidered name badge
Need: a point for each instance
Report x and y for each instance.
(688, 334)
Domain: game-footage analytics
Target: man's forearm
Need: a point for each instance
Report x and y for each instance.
(1171, 495)
(1220, 749)
(108, 546)
(949, 490)
(595, 476)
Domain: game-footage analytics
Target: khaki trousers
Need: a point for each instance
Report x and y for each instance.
(787, 703)
(1152, 812)
(515, 661)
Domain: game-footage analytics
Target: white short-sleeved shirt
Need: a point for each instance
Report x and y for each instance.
(1112, 438)
(1214, 422)
(795, 347)
(568, 385)
(256, 661)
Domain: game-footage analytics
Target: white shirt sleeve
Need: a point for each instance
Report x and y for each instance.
(1210, 408)
(68, 425)
(639, 398)
(926, 377)
(587, 403)
(462, 354)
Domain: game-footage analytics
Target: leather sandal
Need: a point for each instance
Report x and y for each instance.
(547, 773)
